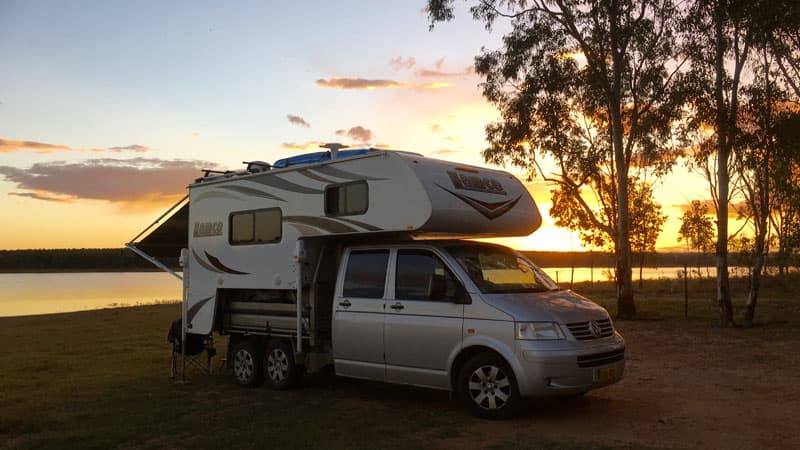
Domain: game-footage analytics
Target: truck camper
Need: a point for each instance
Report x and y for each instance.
(364, 260)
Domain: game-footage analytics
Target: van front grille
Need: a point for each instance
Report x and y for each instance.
(601, 359)
(594, 329)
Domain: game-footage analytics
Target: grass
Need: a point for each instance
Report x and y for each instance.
(99, 379)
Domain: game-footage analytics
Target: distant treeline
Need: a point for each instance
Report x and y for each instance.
(120, 259)
(82, 260)
(605, 259)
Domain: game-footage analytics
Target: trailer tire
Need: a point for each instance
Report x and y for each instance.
(247, 363)
(486, 384)
(280, 369)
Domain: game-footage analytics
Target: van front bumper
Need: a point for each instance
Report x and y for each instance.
(568, 367)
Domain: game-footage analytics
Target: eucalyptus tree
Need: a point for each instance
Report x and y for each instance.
(768, 158)
(723, 40)
(595, 227)
(719, 38)
(696, 229)
(588, 87)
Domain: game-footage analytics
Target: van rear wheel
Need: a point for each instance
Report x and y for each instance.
(488, 387)
(280, 370)
(247, 360)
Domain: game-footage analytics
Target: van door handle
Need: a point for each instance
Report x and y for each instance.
(345, 303)
(397, 306)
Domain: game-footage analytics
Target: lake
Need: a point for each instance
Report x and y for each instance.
(23, 294)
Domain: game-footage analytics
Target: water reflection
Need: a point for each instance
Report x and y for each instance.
(23, 294)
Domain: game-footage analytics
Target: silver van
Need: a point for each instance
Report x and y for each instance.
(475, 318)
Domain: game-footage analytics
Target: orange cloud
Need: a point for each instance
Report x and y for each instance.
(303, 146)
(9, 145)
(365, 84)
(358, 83)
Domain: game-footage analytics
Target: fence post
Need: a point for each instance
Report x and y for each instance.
(685, 291)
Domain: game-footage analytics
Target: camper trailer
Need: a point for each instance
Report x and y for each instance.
(364, 260)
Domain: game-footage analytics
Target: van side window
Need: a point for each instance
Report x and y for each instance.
(415, 268)
(366, 274)
(256, 227)
(347, 199)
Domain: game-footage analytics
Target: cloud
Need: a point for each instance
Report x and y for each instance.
(133, 180)
(436, 128)
(733, 210)
(438, 72)
(133, 147)
(365, 84)
(308, 145)
(194, 134)
(444, 151)
(400, 63)
(297, 120)
(10, 145)
(43, 196)
(357, 133)
(358, 83)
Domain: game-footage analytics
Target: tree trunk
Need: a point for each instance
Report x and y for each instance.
(626, 308)
(641, 264)
(723, 180)
(755, 279)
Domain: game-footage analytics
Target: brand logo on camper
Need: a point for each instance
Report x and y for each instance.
(204, 229)
(475, 183)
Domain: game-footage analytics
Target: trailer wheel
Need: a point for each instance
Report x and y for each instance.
(280, 370)
(486, 384)
(247, 361)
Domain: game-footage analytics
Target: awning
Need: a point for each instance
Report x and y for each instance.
(165, 237)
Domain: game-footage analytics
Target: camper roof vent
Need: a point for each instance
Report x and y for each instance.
(257, 166)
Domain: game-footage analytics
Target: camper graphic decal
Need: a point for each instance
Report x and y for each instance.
(489, 210)
(215, 264)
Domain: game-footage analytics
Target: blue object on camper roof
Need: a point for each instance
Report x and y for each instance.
(311, 158)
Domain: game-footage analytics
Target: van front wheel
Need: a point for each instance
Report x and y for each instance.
(488, 387)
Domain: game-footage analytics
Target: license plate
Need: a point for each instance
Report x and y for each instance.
(606, 374)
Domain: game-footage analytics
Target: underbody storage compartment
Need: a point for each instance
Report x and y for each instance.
(257, 310)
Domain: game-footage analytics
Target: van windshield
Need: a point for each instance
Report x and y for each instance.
(496, 270)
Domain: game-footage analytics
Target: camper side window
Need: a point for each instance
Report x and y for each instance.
(366, 274)
(347, 199)
(261, 226)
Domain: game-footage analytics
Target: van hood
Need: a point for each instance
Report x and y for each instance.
(552, 306)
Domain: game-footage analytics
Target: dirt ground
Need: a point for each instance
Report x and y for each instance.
(690, 386)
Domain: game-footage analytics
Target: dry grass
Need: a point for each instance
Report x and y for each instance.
(99, 379)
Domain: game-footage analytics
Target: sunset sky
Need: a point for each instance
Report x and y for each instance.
(107, 109)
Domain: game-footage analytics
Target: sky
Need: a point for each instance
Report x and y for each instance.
(109, 109)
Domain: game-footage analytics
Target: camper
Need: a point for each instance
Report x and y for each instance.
(366, 260)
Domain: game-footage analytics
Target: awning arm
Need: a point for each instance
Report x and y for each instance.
(178, 203)
(132, 247)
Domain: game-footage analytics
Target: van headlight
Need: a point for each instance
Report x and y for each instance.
(528, 331)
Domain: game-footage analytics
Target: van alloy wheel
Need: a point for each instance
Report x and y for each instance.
(486, 385)
(489, 387)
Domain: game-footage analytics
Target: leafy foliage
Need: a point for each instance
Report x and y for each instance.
(697, 229)
(591, 87)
